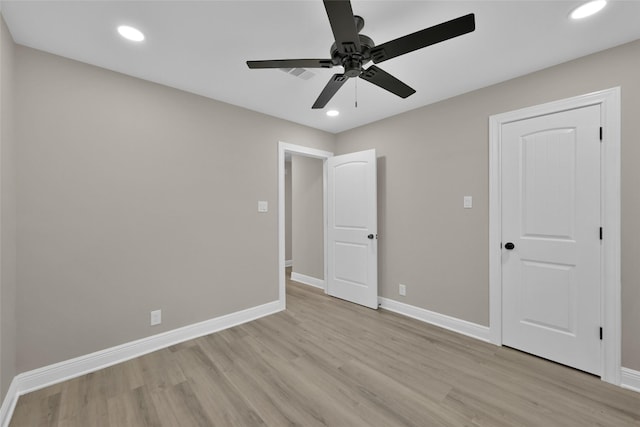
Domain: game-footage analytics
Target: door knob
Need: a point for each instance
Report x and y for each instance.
(370, 236)
(509, 246)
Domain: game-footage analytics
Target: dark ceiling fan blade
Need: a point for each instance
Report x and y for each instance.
(427, 37)
(343, 25)
(291, 63)
(381, 78)
(335, 83)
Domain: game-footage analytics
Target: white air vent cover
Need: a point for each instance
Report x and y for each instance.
(299, 72)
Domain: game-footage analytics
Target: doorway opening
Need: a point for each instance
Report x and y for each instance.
(304, 221)
(285, 150)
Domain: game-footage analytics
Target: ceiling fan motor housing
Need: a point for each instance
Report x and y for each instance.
(353, 61)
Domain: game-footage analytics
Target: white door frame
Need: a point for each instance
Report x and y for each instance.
(283, 149)
(609, 100)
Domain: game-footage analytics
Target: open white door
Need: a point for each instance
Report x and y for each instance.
(352, 258)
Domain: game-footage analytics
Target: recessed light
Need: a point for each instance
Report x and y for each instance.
(588, 9)
(130, 33)
(333, 113)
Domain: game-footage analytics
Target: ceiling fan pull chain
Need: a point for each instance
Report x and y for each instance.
(356, 93)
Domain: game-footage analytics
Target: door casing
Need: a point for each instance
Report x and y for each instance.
(609, 100)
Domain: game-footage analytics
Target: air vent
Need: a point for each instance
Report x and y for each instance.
(301, 73)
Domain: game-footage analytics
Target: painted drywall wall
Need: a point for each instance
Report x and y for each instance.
(136, 197)
(431, 157)
(7, 214)
(307, 216)
(287, 211)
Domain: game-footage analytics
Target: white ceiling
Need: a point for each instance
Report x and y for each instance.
(202, 46)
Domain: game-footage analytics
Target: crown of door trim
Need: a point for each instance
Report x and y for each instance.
(609, 100)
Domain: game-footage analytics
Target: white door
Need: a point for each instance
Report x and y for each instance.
(551, 216)
(352, 259)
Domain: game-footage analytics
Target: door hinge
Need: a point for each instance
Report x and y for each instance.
(600, 233)
(600, 332)
(600, 133)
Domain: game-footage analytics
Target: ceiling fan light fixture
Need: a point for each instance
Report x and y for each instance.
(130, 33)
(588, 9)
(333, 113)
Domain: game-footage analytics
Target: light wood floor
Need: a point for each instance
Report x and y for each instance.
(328, 362)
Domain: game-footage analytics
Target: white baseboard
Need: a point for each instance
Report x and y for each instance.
(288, 263)
(463, 327)
(630, 379)
(307, 280)
(9, 404)
(48, 375)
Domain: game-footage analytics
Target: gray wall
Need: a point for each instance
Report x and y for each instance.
(135, 197)
(307, 216)
(7, 215)
(431, 157)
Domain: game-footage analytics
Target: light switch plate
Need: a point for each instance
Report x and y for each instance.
(263, 206)
(468, 202)
(402, 290)
(156, 317)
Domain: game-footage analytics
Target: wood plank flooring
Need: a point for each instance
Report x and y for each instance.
(326, 362)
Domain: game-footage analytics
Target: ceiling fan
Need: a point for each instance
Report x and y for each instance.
(352, 51)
